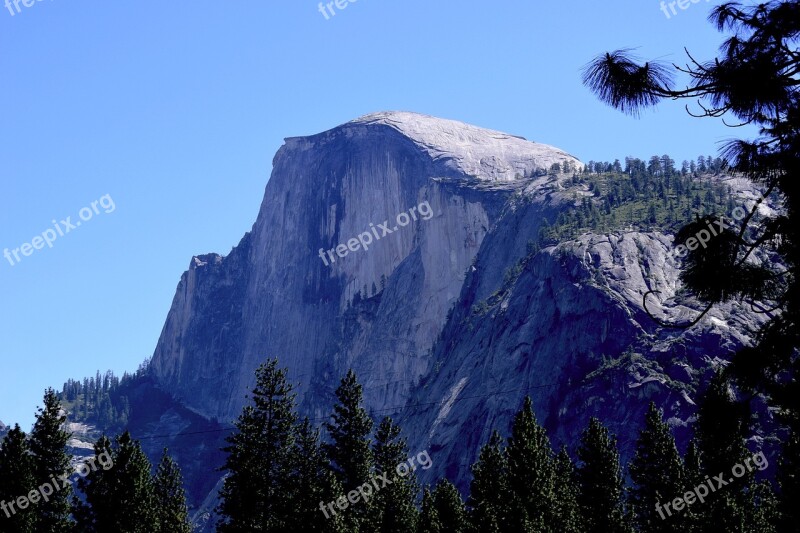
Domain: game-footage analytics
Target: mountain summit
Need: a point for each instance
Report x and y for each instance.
(483, 153)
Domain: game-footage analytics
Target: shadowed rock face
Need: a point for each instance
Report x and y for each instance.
(464, 322)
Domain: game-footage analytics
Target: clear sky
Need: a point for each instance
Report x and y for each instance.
(175, 110)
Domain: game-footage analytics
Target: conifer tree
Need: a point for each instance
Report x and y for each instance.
(172, 514)
(313, 483)
(48, 446)
(119, 495)
(720, 433)
(97, 511)
(256, 493)
(530, 473)
(721, 427)
(349, 449)
(657, 474)
(449, 506)
(489, 496)
(742, 504)
(393, 506)
(566, 511)
(692, 477)
(600, 481)
(16, 479)
(429, 518)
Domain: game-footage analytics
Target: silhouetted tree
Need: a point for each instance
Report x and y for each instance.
(450, 510)
(429, 518)
(742, 504)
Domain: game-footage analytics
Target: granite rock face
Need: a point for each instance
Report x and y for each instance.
(567, 327)
(451, 320)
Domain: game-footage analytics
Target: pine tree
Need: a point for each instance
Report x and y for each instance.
(743, 504)
(721, 426)
(48, 446)
(530, 472)
(120, 498)
(657, 474)
(600, 481)
(349, 450)
(16, 479)
(566, 511)
(449, 506)
(692, 477)
(256, 492)
(393, 507)
(429, 518)
(98, 510)
(720, 433)
(132, 496)
(489, 496)
(170, 499)
(314, 485)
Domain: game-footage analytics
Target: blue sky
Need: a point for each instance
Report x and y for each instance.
(175, 110)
